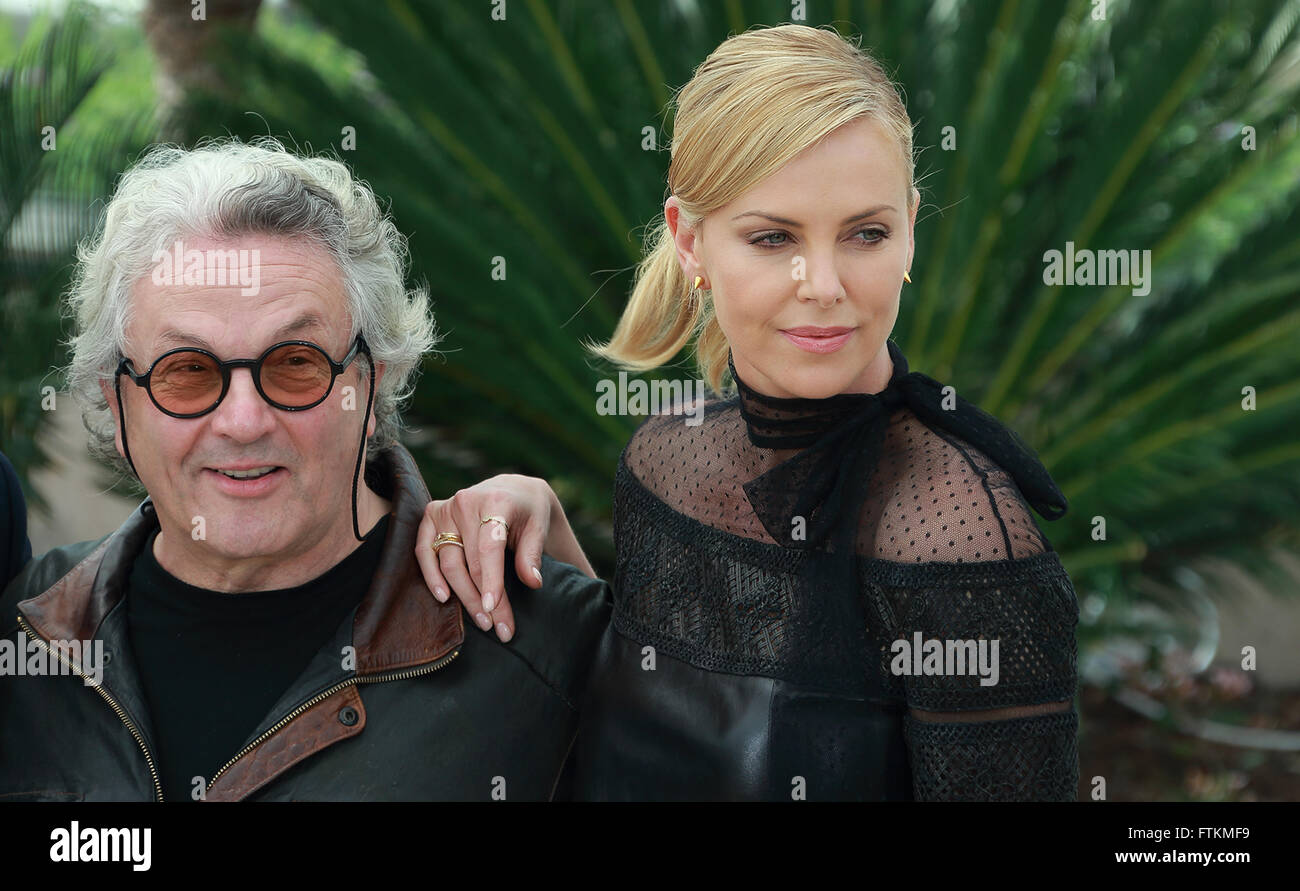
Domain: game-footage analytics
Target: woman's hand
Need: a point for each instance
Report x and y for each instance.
(533, 522)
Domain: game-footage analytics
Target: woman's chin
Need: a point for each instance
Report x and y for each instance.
(817, 383)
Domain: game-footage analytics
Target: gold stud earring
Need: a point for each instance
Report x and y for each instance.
(698, 279)
(907, 278)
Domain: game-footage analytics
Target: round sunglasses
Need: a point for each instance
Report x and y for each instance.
(293, 375)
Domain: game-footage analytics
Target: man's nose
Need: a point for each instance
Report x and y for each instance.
(243, 408)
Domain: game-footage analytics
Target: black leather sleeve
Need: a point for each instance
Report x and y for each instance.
(558, 626)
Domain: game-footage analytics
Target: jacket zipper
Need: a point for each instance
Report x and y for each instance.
(139, 738)
(391, 676)
(157, 784)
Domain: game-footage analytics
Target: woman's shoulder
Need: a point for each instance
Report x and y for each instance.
(691, 469)
(936, 498)
(677, 435)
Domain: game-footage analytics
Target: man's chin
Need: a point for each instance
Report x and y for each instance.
(245, 532)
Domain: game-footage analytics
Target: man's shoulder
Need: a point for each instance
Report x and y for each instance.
(41, 573)
(559, 625)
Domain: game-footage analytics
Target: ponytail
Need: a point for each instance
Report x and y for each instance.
(663, 314)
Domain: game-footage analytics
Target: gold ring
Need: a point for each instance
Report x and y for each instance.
(496, 519)
(447, 538)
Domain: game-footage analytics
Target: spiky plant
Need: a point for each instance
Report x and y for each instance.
(72, 118)
(532, 147)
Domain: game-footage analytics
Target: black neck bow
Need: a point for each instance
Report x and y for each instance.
(841, 438)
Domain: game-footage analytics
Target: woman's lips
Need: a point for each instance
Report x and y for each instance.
(818, 340)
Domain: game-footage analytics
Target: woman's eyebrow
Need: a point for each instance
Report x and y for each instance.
(784, 222)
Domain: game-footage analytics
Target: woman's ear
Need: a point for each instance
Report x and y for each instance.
(911, 226)
(684, 238)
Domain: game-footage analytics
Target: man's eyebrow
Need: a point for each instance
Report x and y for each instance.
(871, 211)
(173, 337)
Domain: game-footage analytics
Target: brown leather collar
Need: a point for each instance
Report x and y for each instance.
(398, 624)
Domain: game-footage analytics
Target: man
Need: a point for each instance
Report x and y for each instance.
(239, 315)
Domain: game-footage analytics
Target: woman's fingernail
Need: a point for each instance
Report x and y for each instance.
(488, 601)
(537, 572)
(440, 594)
(483, 621)
(503, 632)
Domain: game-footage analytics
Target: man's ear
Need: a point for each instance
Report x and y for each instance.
(684, 237)
(111, 398)
(380, 368)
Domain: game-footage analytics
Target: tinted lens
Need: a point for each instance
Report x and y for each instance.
(186, 382)
(296, 375)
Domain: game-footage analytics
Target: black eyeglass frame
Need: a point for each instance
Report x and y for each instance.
(255, 366)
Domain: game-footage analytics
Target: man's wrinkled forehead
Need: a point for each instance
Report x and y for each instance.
(300, 296)
(307, 326)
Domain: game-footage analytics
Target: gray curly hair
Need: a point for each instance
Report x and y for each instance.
(227, 188)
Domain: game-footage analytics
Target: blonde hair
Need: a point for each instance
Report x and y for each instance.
(756, 102)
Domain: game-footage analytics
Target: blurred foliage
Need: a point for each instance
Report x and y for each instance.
(75, 107)
(522, 139)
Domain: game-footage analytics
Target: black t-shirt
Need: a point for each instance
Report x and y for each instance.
(213, 664)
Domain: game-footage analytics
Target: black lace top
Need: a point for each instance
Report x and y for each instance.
(839, 598)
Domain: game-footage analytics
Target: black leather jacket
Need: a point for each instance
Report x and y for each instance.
(433, 710)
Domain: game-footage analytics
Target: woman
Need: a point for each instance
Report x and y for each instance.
(832, 587)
